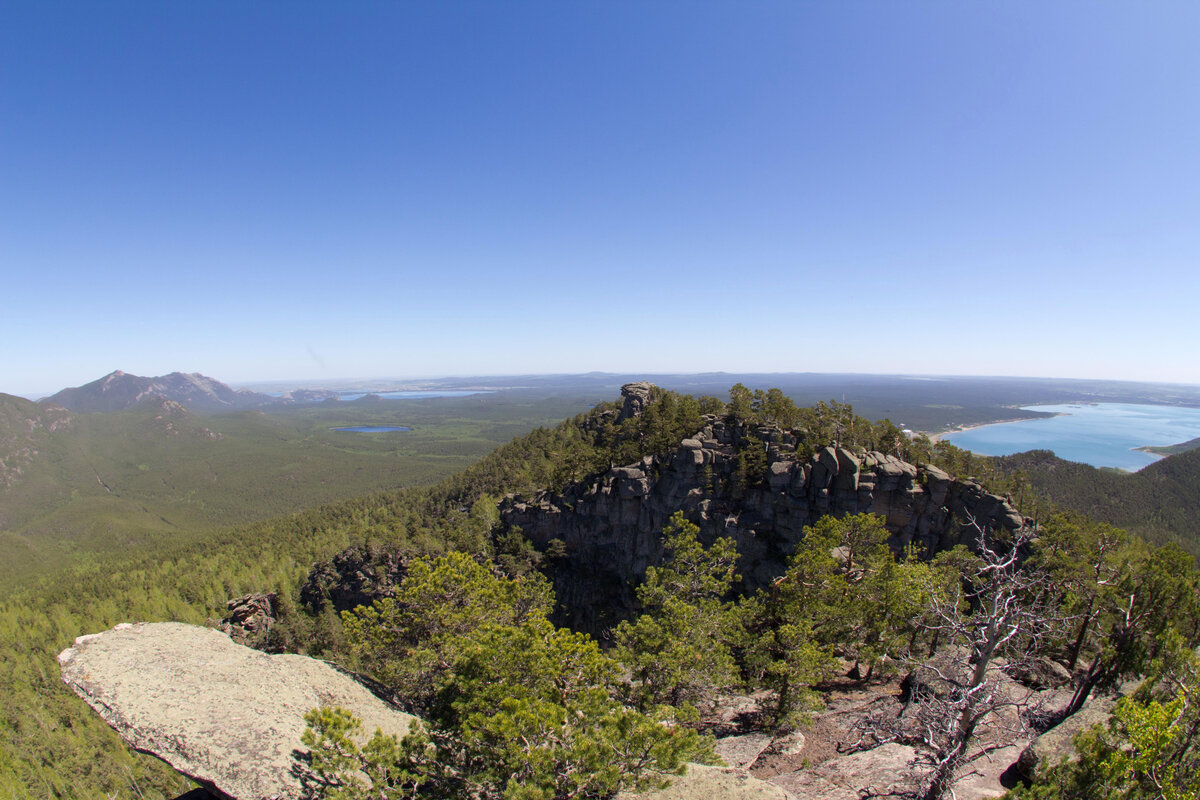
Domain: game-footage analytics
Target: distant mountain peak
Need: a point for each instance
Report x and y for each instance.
(119, 390)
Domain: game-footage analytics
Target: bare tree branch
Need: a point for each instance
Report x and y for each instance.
(989, 623)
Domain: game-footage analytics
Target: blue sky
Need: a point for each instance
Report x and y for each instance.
(275, 190)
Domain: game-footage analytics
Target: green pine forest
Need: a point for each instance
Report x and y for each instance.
(259, 527)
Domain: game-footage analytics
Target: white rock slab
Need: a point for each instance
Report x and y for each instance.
(225, 715)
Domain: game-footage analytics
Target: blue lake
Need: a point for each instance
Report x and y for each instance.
(1100, 434)
(413, 395)
(373, 428)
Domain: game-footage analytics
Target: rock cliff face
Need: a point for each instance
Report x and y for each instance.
(635, 397)
(611, 527)
(357, 576)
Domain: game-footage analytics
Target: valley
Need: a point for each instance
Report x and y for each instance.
(80, 485)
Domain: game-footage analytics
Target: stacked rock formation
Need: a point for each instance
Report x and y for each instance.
(250, 617)
(634, 399)
(611, 527)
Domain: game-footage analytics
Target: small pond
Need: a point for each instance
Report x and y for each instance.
(413, 395)
(373, 428)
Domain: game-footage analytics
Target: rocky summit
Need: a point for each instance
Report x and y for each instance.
(610, 526)
(226, 716)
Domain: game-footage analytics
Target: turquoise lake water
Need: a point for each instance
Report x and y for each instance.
(401, 395)
(1100, 434)
(347, 396)
(373, 428)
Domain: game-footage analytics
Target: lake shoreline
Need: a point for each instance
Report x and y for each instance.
(1121, 436)
(937, 437)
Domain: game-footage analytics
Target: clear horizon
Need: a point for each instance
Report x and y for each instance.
(254, 192)
(351, 384)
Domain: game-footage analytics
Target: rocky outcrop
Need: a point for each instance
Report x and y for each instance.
(357, 576)
(226, 716)
(250, 617)
(706, 783)
(1058, 743)
(610, 527)
(884, 771)
(634, 399)
(742, 751)
(170, 418)
(1041, 673)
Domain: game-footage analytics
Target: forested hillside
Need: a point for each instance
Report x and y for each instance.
(77, 486)
(1158, 502)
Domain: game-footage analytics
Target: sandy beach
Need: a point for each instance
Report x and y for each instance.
(935, 437)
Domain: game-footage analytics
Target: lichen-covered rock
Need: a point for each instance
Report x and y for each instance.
(1057, 744)
(225, 715)
(742, 751)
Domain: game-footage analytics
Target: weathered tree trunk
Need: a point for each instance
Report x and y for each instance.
(942, 781)
(1082, 637)
(783, 697)
(1089, 681)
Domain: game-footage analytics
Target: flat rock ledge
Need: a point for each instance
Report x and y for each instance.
(881, 772)
(225, 715)
(1058, 744)
(742, 751)
(702, 782)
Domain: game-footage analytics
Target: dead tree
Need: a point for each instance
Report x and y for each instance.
(989, 622)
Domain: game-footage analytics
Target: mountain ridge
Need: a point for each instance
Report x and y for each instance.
(120, 390)
(758, 483)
